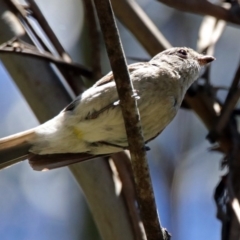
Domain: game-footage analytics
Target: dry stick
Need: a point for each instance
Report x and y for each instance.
(140, 25)
(22, 14)
(205, 7)
(20, 11)
(233, 182)
(234, 84)
(94, 38)
(73, 80)
(36, 12)
(19, 47)
(230, 103)
(227, 111)
(123, 164)
(132, 121)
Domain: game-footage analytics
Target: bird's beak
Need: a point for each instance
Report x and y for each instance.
(203, 60)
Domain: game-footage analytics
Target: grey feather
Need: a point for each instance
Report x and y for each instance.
(15, 148)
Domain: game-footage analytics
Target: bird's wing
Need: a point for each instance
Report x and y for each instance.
(109, 77)
(104, 80)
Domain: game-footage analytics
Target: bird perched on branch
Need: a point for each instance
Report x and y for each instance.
(93, 125)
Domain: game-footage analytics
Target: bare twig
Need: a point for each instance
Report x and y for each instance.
(233, 184)
(132, 121)
(23, 13)
(36, 12)
(203, 105)
(140, 25)
(17, 46)
(74, 81)
(123, 165)
(234, 85)
(204, 7)
(229, 105)
(19, 10)
(94, 38)
(227, 110)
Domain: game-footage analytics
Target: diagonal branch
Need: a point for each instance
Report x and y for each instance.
(17, 46)
(94, 38)
(204, 7)
(228, 106)
(140, 25)
(36, 12)
(23, 12)
(123, 164)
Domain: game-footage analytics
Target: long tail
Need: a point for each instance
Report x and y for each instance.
(14, 148)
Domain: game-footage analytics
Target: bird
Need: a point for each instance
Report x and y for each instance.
(92, 125)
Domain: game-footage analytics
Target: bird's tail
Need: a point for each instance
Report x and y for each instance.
(14, 148)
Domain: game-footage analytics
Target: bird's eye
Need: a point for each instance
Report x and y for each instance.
(182, 53)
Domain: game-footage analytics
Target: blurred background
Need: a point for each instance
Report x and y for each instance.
(50, 205)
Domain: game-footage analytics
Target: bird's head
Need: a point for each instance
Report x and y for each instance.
(185, 61)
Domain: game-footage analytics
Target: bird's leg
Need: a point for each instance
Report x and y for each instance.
(95, 114)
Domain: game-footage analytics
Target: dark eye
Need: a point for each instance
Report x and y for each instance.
(182, 53)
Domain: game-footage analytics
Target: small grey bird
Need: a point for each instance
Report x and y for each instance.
(93, 126)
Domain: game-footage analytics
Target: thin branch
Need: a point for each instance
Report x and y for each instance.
(73, 80)
(94, 38)
(36, 12)
(23, 12)
(124, 168)
(229, 105)
(202, 104)
(17, 46)
(233, 184)
(204, 7)
(20, 11)
(227, 110)
(235, 84)
(131, 117)
(140, 25)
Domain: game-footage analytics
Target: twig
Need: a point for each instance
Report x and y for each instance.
(234, 84)
(140, 25)
(227, 111)
(204, 7)
(23, 12)
(124, 168)
(132, 121)
(36, 12)
(17, 46)
(233, 183)
(94, 38)
(228, 106)
(74, 81)
(232, 198)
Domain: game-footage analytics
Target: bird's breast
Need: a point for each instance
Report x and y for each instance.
(155, 116)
